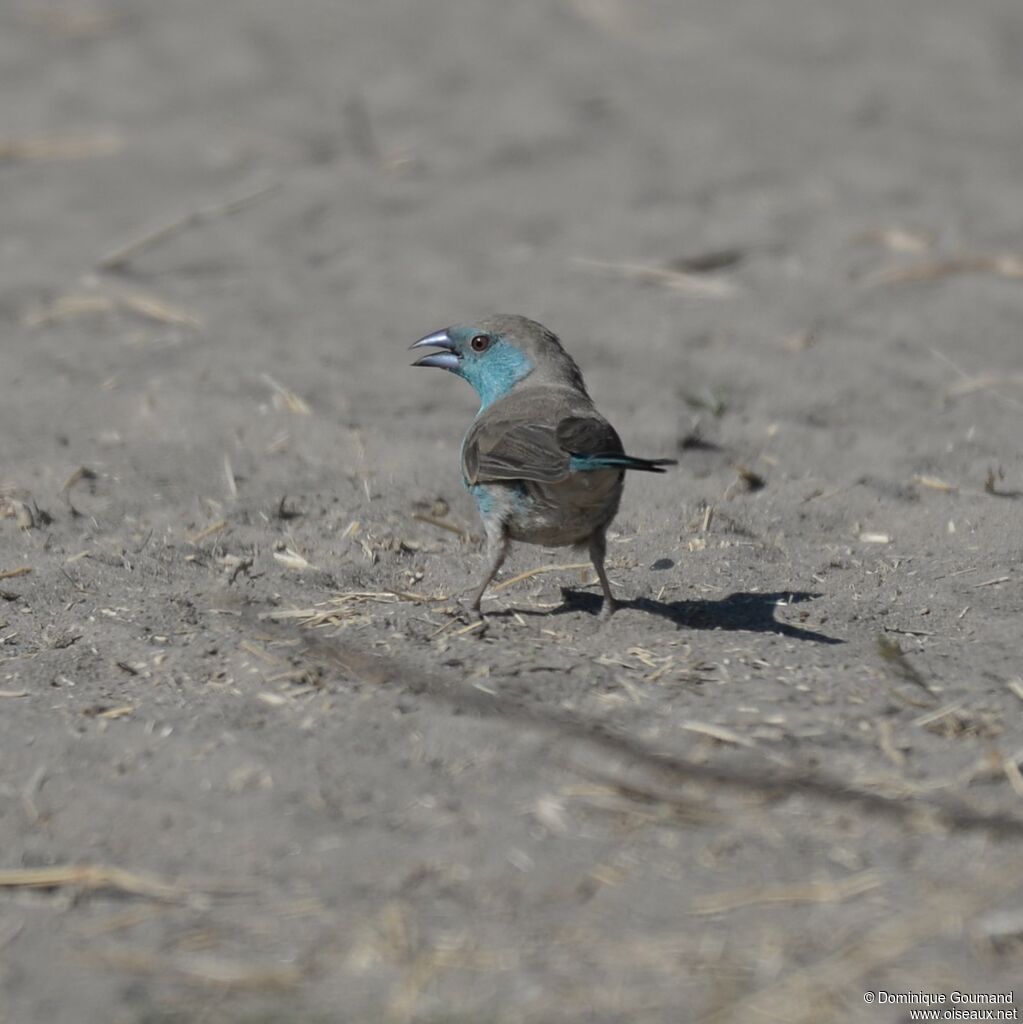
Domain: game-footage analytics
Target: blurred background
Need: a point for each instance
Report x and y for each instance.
(783, 240)
(374, 171)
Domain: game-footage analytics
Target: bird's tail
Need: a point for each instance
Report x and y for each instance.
(582, 463)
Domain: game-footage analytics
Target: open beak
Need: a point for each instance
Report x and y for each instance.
(447, 359)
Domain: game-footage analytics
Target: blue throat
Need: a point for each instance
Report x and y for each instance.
(496, 374)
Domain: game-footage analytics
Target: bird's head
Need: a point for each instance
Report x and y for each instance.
(496, 353)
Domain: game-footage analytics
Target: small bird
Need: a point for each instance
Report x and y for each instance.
(543, 466)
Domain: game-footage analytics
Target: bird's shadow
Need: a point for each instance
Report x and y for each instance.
(750, 612)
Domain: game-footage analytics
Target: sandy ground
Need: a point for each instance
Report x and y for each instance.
(253, 765)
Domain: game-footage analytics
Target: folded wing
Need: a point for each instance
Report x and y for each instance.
(497, 449)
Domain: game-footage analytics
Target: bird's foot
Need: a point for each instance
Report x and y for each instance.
(472, 613)
(607, 609)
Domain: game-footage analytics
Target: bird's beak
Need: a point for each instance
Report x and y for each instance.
(447, 359)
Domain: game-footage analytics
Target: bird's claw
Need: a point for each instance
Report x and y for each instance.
(471, 613)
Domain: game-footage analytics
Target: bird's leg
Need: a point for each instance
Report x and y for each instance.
(497, 550)
(598, 549)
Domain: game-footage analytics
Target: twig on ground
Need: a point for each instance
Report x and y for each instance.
(676, 280)
(119, 258)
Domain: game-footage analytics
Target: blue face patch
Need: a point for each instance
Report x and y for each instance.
(496, 371)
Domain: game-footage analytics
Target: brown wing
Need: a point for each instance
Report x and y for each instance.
(496, 449)
(589, 435)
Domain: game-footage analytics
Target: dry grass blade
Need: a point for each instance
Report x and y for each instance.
(898, 239)
(691, 810)
(119, 712)
(211, 971)
(120, 257)
(808, 892)
(677, 280)
(78, 304)
(886, 743)
(538, 571)
(153, 308)
(207, 532)
(872, 537)
(92, 877)
(20, 511)
(938, 714)
(257, 652)
(933, 483)
(1005, 264)
(55, 147)
(68, 307)
(10, 930)
(286, 398)
(293, 560)
(976, 383)
(1012, 773)
(10, 574)
(825, 495)
(442, 524)
(123, 921)
(229, 478)
(363, 472)
(717, 732)
(993, 582)
(982, 382)
(342, 607)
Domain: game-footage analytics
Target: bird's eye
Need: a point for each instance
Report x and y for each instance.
(480, 343)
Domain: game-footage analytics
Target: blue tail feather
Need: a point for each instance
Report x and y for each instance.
(584, 463)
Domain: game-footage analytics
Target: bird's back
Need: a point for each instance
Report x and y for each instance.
(539, 404)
